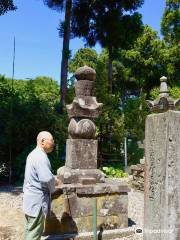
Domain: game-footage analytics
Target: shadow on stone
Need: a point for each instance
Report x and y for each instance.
(100, 233)
(65, 225)
(131, 222)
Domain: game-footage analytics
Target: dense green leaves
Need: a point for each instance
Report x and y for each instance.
(84, 56)
(6, 5)
(170, 25)
(34, 105)
(170, 28)
(114, 171)
(113, 24)
(145, 60)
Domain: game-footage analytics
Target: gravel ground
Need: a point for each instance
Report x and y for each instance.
(11, 220)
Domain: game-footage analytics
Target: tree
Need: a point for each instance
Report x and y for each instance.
(84, 56)
(64, 31)
(145, 61)
(108, 23)
(34, 109)
(170, 28)
(170, 24)
(6, 5)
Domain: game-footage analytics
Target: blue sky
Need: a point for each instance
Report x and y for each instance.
(38, 46)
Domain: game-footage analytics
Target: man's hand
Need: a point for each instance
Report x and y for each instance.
(57, 182)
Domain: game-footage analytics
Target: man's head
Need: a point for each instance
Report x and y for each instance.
(45, 141)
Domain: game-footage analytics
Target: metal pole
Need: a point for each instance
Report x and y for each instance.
(11, 113)
(94, 218)
(125, 153)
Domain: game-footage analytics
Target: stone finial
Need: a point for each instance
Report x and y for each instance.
(163, 102)
(85, 73)
(163, 87)
(84, 104)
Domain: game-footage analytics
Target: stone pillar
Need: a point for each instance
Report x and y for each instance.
(162, 169)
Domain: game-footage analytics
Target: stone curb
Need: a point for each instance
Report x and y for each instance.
(106, 235)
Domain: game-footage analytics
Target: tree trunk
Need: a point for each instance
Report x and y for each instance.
(110, 77)
(65, 55)
(110, 80)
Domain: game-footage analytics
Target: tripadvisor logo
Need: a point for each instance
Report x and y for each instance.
(138, 230)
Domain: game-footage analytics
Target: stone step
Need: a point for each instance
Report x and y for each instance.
(58, 237)
(105, 235)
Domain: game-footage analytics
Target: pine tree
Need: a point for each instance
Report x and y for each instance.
(170, 24)
(6, 5)
(64, 31)
(114, 24)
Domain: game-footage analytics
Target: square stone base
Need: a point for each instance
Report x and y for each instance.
(73, 212)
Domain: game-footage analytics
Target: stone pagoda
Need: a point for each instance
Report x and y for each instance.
(81, 147)
(163, 102)
(85, 197)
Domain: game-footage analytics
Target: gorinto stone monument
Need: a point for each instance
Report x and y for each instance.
(81, 147)
(162, 168)
(80, 181)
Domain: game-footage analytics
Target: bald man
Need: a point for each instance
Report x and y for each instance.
(39, 184)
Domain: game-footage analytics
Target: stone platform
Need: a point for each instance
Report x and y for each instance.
(72, 208)
(105, 235)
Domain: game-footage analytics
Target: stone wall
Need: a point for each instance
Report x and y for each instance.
(137, 176)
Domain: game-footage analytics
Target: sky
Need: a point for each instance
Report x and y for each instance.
(38, 46)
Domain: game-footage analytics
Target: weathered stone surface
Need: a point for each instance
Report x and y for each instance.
(81, 153)
(81, 148)
(163, 102)
(73, 214)
(68, 175)
(85, 73)
(162, 177)
(109, 186)
(142, 160)
(84, 88)
(87, 181)
(80, 179)
(84, 106)
(120, 233)
(137, 180)
(137, 167)
(83, 129)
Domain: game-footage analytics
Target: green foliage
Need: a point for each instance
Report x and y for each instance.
(106, 22)
(114, 170)
(170, 26)
(84, 56)
(34, 109)
(170, 57)
(135, 113)
(134, 152)
(6, 5)
(145, 60)
(174, 92)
